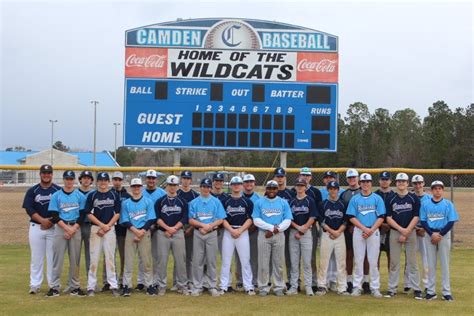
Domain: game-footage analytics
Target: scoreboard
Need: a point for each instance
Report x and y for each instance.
(213, 97)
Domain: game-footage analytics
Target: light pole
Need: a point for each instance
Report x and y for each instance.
(115, 151)
(95, 128)
(52, 138)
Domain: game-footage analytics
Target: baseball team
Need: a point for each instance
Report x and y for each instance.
(262, 234)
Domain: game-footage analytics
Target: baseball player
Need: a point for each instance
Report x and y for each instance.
(86, 179)
(206, 213)
(418, 188)
(41, 231)
(137, 214)
(272, 216)
(304, 211)
(333, 223)
(402, 215)
(386, 194)
(249, 192)
(314, 193)
(437, 217)
(152, 192)
(171, 214)
(352, 177)
(120, 231)
(366, 211)
(330, 176)
(66, 211)
(187, 194)
(103, 210)
(279, 175)
(239, 218)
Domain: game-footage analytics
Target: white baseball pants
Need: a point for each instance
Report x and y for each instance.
(41, 244)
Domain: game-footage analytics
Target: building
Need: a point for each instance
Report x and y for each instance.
(37, 158)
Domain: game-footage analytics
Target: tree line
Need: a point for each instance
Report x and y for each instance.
(443, 139)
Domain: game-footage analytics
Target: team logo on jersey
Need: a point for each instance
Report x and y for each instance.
(435, 217)
(402, 208)
(100, 204)
(204, 215)
(235, 211)
(269, 212)
(42, 199)
(137, 215)
(171, 210)
(365, 209)
(68, 207)
(333, 214)
(299, 210)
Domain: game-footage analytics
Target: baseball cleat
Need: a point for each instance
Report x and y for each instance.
(126, 291)
(356, 292)
(33, 290)
(263, 293)
(430, 297)
(448, 298)
(106, 287)
(292, 291)
(389, 294)
(90, 293)
(321, 291)
(366, 288)
(279, 293)
(162, 291)
(52, 293)
(115, 292)
(140, 287)
(77, 292)
(343, 293)
(309, 291)
(376, 294)
(406, 290)
(417, 295)
(214, 292)
(251, 292)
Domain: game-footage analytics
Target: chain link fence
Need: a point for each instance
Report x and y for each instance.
(15, 181)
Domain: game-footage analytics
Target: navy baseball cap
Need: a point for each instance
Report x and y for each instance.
(46, 169)
(279, 172)
(300, 181)
(186, 174)
(103, 176)
(86, 173)
(218, 177)
(331, 174)
(206, 182)
(272, 184)
(332, 184)
(385, 175)
(69, 174)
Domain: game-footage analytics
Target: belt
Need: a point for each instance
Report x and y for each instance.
(69, 222)
(236, 226)
(435, 230)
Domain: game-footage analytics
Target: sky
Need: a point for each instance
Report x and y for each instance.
(57, 56)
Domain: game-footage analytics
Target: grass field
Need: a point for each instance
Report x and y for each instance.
(15, 300)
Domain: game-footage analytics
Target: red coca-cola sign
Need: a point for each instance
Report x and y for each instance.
(146, 62)
(317, 67)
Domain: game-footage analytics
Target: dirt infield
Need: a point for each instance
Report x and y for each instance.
(14, 221)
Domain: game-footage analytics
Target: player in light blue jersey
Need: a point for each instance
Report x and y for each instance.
(206, 214)
(66, 210)
(437, 217)
(152, 192)
(137, 214)
(272, 216)
(366, 212)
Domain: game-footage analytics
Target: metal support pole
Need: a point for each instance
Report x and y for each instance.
(452, 200)
(115, 143)
(283, 155)
(95, 129)
(52, 138)
(176, 157)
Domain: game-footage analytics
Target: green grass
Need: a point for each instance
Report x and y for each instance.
(15, 300)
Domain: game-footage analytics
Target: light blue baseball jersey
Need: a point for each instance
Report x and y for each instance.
(254, 197)
(154, 195)
(325, 193)
(272, 211)
(206, 209)
(438, 214)
(137, 212)
(68, 205)
(366, 208)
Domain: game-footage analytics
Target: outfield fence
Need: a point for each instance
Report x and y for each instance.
(15, 180)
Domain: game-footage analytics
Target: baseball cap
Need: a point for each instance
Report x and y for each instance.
(136, 182)
(117, 174)
(151, 174)
(351, 173)
(206, 182)
(46, 169)
(248, 177)
(401, 177)
(236, 180)
(103, 176)
(69, 174)
(332, 184)
(218, 177)
(365, 177)
(417, 178)
(385, 175)
(329, 174)
(437, 183)
(186, 174)
(86, 173)
(279, 172)
(305, 171)
(272, 184)
(300, 181)
(172, 180)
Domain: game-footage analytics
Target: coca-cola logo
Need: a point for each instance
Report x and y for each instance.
(151, 61)
(324, 65)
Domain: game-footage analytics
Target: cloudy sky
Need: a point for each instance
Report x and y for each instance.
(57, 56)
